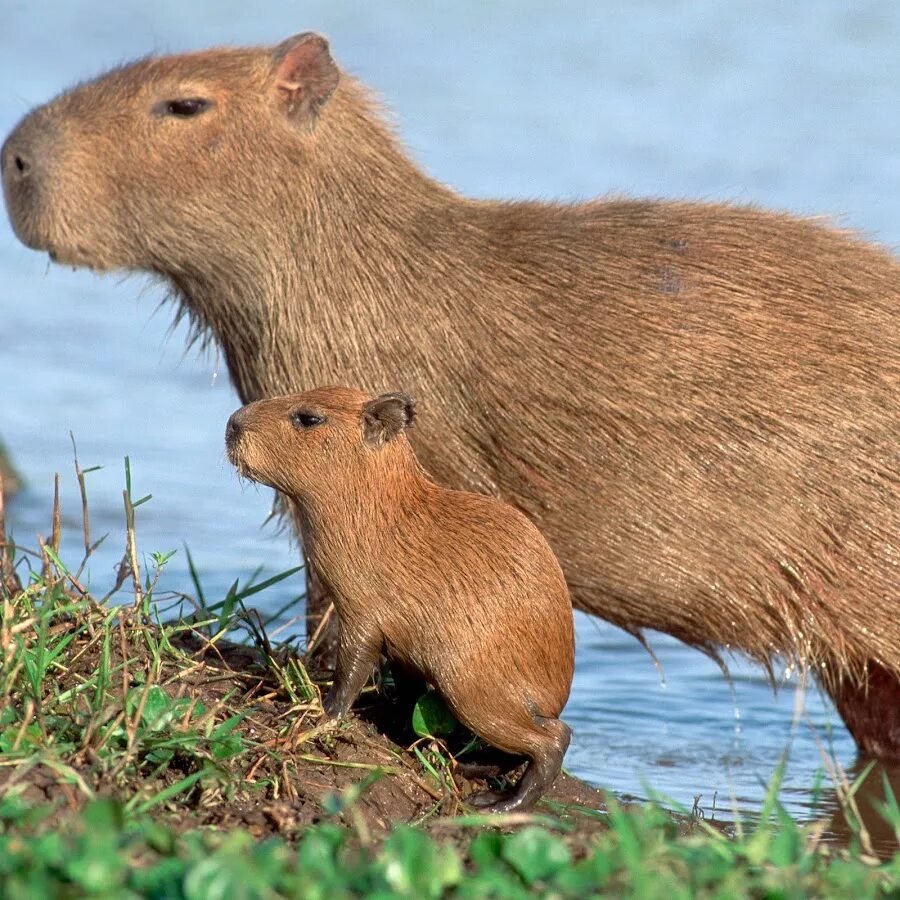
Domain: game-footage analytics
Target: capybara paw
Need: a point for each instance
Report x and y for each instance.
(333, 707)
(488, 801)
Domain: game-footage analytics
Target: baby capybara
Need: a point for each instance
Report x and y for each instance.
(456, 587)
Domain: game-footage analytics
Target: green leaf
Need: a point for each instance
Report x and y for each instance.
(486, 849)
(588, 875)
(103, 817)
(431, 718)
(412, 866)
(319, 848)
(160, 559)
(171, 791)
(536, 854)
(788, 843)
(30, 738)
(156, 704)
(214, 879)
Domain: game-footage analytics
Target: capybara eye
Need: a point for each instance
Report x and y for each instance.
(303, 418)
(183, 108)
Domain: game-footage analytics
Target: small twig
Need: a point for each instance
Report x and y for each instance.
(45, 559)
(131, 548)
(56, 528)
(495, 820)
(9, 580)
(346, 764)
(123, 647)
(289, 792)
(85, 515)
(69, 793)
(123, 570)
(317, 634)
(434, 793)
(26, 721)
(251, 772)
(292, 740)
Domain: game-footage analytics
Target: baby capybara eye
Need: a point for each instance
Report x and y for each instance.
(183, 108)
(304, 418)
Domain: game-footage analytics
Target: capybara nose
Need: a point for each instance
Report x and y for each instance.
(15, 160)
(233, 429)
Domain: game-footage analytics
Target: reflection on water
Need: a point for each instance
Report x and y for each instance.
(787, 105)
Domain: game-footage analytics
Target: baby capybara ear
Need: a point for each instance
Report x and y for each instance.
(304, 76)
(385, 417)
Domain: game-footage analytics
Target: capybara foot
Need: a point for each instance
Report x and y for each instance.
(527, 792)
(332, 706)
(538, 776)
(486, 801)
(511, 801)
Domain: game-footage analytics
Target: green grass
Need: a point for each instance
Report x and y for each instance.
(146, 757)
(107, 852)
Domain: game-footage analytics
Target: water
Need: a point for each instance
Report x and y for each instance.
(785, 105)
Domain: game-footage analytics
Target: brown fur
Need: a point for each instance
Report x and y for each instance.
(696, 403)
(456, 587)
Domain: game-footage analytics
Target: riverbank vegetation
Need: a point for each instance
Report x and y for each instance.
(165, 745)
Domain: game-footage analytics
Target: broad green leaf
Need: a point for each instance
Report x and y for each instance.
(536, 854)
(431, 718)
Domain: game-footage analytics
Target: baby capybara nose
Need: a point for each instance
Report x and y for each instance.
(15, 164)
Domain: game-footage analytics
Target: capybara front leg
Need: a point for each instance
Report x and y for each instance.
(546, 761)
(357, 655)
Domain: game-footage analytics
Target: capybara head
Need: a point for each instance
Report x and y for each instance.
(142, 167)
(322, 438)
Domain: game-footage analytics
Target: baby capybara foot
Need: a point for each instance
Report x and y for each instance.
(537, 779)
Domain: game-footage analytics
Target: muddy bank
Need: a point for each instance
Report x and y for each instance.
(178, 721)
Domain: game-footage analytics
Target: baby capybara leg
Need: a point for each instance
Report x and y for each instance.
(545, 743)
(871, 711)
(358, 652)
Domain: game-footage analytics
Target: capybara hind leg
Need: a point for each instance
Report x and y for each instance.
(871, 711)
(547, 744)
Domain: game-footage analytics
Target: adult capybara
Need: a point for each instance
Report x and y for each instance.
(697, 404)
(457, 588)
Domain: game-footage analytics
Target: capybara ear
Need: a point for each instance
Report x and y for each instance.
(385, 417)
(304, 75)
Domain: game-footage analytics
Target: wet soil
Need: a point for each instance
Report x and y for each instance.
(297, 768)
